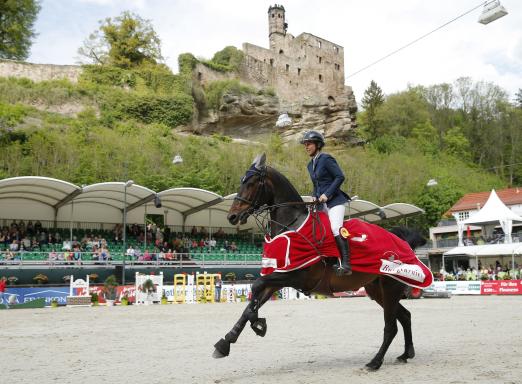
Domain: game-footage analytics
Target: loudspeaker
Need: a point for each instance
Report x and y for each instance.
(157, 201)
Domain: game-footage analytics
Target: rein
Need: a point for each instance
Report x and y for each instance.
(263, 223)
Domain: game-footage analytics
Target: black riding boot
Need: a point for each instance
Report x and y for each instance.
(344, 248)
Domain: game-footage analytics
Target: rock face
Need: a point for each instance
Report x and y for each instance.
(248, 116)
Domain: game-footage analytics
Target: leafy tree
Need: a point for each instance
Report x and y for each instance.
(372, 100)
(17, 19)
(437, 200)
(126, 41)
(403, 111)
(456, 143)
(518, 98)
(440, 99)
(229, 56)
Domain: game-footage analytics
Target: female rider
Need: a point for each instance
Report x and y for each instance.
(327, 178)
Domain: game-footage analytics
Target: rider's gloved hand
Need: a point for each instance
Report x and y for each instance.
(323, 198)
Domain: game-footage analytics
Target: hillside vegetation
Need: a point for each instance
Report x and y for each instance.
(125, 131)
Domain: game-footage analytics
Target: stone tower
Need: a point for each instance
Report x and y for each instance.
(277, 26)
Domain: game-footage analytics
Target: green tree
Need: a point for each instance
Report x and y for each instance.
(17, 19)
(126, 41)
(229, 56)
(372, 100)
(518, 98)
(456, 144)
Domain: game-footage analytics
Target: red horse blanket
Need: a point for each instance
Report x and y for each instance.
(373, 250)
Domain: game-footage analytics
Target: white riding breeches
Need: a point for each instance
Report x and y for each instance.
(336, 216)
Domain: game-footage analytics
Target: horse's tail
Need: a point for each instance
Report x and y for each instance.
(411, 236)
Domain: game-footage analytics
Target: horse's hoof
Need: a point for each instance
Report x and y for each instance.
(259, 327)
(373, 366)
(402, 358)
(222, 349)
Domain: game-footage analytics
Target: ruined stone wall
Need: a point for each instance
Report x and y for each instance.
(206, 75)
(39, 72)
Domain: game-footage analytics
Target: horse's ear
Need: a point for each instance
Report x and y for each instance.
(260, 161)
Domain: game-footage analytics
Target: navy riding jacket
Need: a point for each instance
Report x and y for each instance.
(327, 178)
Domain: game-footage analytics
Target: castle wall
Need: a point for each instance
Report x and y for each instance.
(206, 75)
(39, 72)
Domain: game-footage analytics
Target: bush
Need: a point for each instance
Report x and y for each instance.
(215, 91)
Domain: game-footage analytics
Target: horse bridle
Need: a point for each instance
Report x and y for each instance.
(254, 203)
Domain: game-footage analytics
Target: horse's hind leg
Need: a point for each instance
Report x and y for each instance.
(404, 317)
(387, 292)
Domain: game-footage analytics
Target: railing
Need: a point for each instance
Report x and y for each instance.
(85, 259)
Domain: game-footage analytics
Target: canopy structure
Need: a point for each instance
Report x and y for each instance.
(53, 200)
(513, 249)
(493, 212)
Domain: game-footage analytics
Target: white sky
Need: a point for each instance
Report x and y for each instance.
(366, 29)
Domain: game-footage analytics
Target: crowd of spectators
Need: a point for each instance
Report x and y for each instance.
(497, 272)
(160, 243)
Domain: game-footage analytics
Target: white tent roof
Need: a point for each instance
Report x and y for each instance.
(487, 250)
(43, 198)
(493, 211)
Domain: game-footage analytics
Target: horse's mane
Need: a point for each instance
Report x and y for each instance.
(411, 236)
(281, 179)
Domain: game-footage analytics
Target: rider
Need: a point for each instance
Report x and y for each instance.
(327, 178)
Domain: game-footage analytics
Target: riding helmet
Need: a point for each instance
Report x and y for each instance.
(315, 137)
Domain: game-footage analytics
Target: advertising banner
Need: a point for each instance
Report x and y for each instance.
(24, 295)
(501, 287)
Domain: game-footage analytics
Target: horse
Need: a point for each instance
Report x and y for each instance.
(264, 188)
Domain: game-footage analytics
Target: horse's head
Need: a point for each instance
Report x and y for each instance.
(252, 192)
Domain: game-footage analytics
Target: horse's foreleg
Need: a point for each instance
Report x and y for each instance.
(392, 292)
(262, 290)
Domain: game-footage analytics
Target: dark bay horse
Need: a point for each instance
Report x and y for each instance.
(264, 188)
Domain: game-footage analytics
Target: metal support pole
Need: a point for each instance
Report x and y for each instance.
(124, 233)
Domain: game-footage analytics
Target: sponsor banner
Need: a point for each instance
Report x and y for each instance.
(456, 287)
(501, 287)
(129, 290)
(24, 295)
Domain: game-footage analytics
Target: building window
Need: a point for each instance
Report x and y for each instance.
(271, 62)
(281, 52)
(319, 43)
(273, 15)
(279, 15)
(336, 49)
(337, 66)
(298, 71)
(320, 59)
(463, 215)
(321, 78)
(287, 67)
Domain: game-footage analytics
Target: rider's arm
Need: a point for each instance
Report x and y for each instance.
(333, 168)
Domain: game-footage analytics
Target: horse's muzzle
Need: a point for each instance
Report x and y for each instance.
(241, 217)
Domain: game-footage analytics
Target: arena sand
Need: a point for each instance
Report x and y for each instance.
(457, 340)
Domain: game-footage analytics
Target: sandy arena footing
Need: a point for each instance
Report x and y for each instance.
(458, 340)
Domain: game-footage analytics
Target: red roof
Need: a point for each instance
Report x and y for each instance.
(468, 202)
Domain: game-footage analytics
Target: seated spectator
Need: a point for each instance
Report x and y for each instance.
(147, 256)
(58, 237)
(130, 252)
(67, 245)
(53, 256)
(194, 244)
(169, 255)
(26, 242)
(203, 231)
(14, 246)
(212, 243)
(233, 247)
